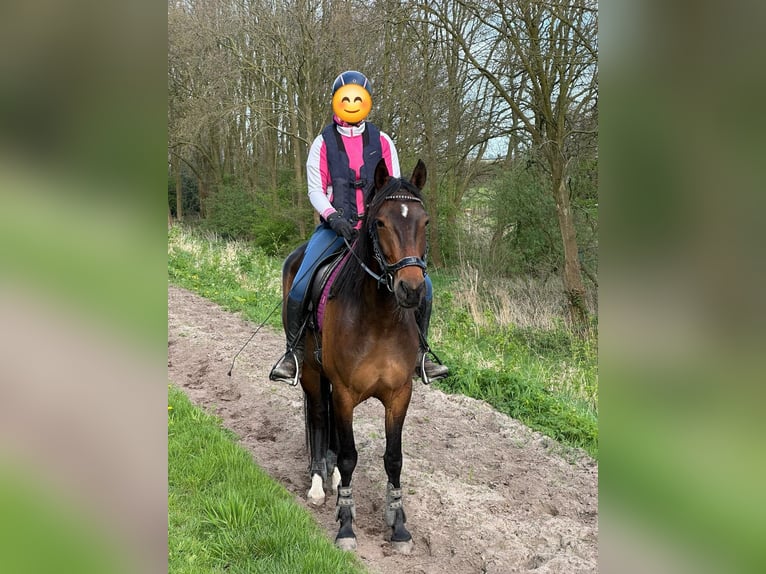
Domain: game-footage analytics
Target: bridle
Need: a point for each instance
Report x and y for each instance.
(388, 269)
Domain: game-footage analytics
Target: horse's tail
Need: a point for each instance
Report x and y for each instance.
(307, 424)
(332, 433)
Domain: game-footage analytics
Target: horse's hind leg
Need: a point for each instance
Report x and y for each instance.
(401, 539)
(316, 421)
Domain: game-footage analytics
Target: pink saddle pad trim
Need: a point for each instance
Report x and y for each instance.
(326, 292)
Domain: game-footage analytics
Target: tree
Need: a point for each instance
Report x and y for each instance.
(249, 88)
(541, 59)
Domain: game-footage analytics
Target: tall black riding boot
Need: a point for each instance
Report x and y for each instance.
(288, 368)
(433, 371)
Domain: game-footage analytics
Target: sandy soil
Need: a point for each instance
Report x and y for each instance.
(483, 493)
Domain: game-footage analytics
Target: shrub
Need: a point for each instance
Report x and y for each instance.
(232, 212)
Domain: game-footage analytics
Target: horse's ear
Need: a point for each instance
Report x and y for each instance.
(381, 174)
(419, 174)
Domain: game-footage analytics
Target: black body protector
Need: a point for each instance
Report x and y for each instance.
(344, 181)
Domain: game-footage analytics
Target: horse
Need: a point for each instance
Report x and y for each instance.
(368, 344)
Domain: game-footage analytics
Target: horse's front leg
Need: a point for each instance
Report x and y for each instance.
(401, 539)
(345, 512)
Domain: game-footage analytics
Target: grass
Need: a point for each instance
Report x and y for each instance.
(505, 343)
(231, 273)
(528, 366)
(227, 515)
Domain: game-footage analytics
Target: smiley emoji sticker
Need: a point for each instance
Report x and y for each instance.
(352, 97)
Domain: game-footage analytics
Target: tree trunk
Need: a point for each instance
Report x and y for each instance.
(202, 198)
(299, 194)
(179, 191)
(572, 278)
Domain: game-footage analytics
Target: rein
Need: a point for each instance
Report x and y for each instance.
(387, 276)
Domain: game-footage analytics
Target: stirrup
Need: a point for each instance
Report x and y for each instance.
(279, 379)
(421, 368)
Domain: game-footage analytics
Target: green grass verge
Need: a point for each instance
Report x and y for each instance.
(546, 378)
(235, 275)
(226, 515)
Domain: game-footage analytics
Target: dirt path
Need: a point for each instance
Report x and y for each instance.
(483, 493)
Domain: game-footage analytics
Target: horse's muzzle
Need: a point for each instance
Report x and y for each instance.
(409, 294)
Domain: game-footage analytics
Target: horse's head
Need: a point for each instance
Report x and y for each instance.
(396, 223)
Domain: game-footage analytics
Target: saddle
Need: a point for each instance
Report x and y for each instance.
(319, 288)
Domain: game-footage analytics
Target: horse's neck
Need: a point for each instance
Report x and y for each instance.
(374, 300)
(377, 296)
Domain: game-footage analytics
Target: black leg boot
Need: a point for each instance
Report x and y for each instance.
(288, 368)
(433, 371)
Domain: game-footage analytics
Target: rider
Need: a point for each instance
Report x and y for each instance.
(340, 165)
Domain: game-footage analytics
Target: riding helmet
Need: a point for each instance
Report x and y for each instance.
(351, 77)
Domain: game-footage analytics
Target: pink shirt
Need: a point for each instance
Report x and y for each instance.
(318, 173)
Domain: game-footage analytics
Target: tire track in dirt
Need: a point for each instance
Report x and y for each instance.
(483, 493)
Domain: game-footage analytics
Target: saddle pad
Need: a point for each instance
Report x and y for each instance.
(326, 292)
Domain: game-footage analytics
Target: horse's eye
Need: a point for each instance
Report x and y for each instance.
(379, 223)
(428, 221)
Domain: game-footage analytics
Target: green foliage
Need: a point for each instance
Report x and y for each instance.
(584, 185)
(509, 224)
(274, 233)
(226, 515)
(232, 212)
(556, 343)
(236, 213)
(526, 237)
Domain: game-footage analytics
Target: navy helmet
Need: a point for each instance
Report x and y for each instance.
(352, 77)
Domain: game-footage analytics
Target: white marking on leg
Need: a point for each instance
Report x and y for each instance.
(335, 480)
(316, 492)
(405, 210)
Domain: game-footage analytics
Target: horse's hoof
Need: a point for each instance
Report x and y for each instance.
(404, 547)
(346, 543)
(315, 500)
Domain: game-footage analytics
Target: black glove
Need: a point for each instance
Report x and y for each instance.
(341, 226)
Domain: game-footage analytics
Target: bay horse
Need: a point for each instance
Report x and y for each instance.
(369, 343)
